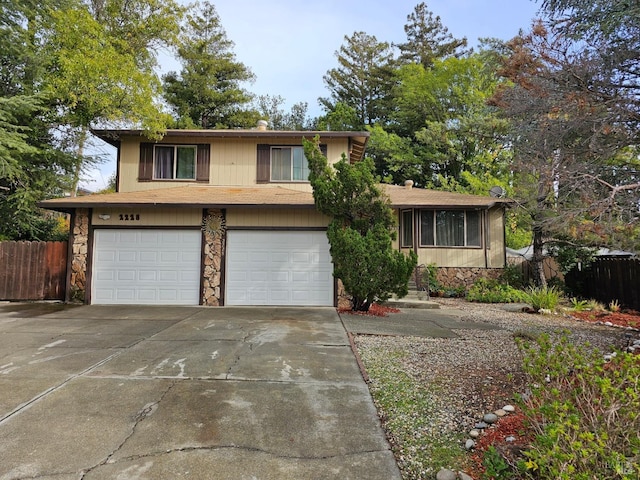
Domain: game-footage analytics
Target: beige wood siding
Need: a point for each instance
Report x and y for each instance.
(496, 252)
(146, 217)
(492, 257)
(233, 162)
(294, 218)
(452, 257)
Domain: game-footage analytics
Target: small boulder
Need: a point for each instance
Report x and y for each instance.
(445, 474)
(509, 408)
(490, 418)
(469, 444)
(474, 433)
(500, 412)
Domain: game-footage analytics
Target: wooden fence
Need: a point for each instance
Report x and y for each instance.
(608, 279)
(33, 270)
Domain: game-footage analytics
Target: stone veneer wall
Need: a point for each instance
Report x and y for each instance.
(214, 228)
(453, 277)
(79, 249)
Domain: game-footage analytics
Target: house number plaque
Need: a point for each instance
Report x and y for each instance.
(127, 217)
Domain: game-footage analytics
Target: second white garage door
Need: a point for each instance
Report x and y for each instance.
(279, 268)
(146, 267)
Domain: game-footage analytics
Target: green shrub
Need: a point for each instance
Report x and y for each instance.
(430, 277)
(513, 275)
(584, 412)
(578, 305)
(491, 291)
(544, 298)
(496, 467)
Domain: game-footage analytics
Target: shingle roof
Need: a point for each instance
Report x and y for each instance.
(206, 196)
(403, 197)
(358, 140)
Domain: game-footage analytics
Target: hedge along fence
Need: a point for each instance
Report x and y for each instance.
(33, 270)
(608, 279)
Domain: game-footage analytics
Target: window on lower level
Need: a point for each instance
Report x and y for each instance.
(406, 230)
(174, 162)
(288, 164)
(450, 228)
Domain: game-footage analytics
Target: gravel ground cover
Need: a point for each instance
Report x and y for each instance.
(431, 391)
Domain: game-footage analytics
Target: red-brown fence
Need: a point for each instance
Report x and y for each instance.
(608, 279)
(33, 270)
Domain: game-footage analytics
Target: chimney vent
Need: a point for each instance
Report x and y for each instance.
(262, 125)
(408, 184)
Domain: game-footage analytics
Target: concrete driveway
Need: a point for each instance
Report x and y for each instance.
(177, 392)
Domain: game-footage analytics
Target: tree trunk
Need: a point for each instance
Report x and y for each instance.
(360, 304)
(537, 261)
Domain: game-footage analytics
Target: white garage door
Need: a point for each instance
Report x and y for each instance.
(278, 268)
(146, 267)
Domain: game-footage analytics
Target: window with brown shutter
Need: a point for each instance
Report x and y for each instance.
(174, 162)
(145, 168)
(202, 167)
(264, 162)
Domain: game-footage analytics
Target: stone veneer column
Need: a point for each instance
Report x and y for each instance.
(79, 249)
(214, 229)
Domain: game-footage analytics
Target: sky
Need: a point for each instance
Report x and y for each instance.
(290, 45)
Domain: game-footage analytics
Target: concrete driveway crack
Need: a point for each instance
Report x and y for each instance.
(140, 416)
(214, 448)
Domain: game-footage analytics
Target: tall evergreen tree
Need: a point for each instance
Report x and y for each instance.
(270, 108)
(428, 39)
(208, 92)
(363, 79)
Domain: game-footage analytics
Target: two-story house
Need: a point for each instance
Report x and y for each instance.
(226, 217)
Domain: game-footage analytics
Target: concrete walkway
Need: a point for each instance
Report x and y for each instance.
(175, 392)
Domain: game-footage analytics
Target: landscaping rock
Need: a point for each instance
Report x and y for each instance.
(509, 408)
(464, 476)
(469, 444)
(474, 433)
(490, 418)
(500, 412)
(445, 474)
(480, 425)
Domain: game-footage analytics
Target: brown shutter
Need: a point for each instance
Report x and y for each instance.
(145, 168)
(263, 174)
(202, 163)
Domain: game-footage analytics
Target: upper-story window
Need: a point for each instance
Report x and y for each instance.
(174, 162)
(283, 163)
(288, 164)
(161, 161)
